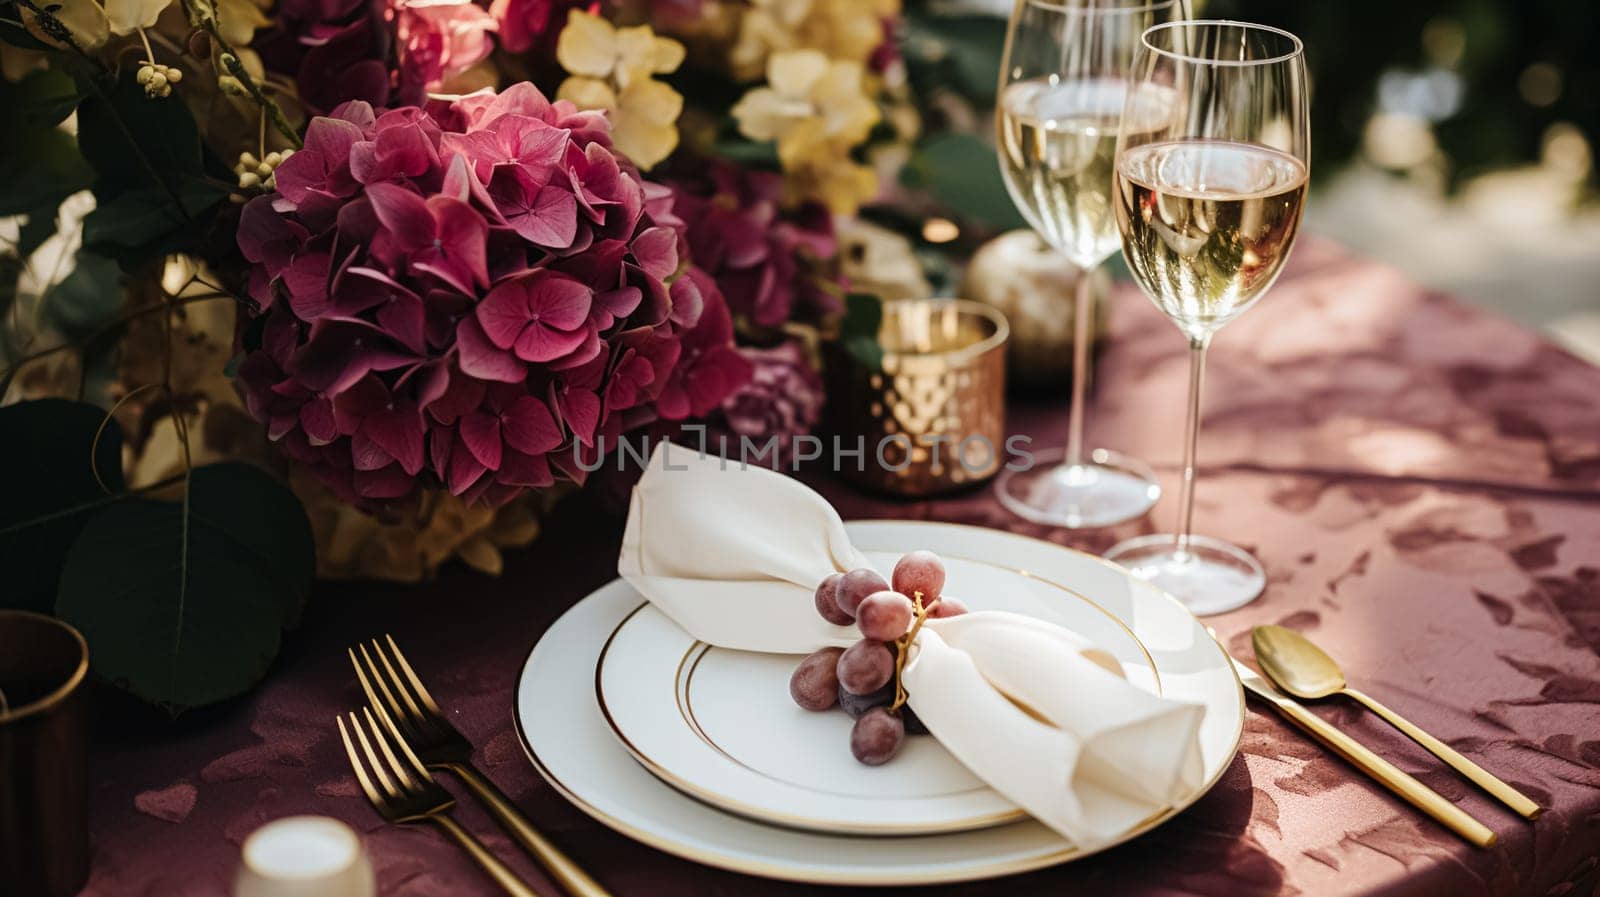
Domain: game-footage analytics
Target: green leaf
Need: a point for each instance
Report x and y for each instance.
(963, 174)
(147, 218)
(959, 51)
(41, 161)
(858, 332)
(748, 153)
(50, 491)
(186, 608)
(88, 297)
(48, 97)
(135, 141)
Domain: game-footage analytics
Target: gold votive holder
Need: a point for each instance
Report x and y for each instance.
(44, 750)
(930, 418)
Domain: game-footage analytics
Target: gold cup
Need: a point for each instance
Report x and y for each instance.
(44, 772)
(931, 418)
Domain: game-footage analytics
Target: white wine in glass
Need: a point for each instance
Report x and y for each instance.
(1063, 101)
(1208, 207)
(1210, 224)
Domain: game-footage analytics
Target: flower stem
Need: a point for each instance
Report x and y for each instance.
(201, 15)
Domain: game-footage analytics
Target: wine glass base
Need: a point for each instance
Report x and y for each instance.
(1211, 577)
(1109, 488)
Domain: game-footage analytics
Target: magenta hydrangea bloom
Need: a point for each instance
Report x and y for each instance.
(767, 260)
(471, 296)
(783, 399)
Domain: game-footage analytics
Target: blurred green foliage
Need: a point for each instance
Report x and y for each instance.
(1488, 44)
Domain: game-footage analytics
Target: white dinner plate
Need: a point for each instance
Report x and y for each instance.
(719, 724)
(568, 739)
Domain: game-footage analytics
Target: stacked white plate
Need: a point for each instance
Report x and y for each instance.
(700, 752)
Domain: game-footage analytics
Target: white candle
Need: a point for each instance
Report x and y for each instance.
(302, 856)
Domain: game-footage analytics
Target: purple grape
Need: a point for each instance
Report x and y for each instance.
(865, 666)
(827, 601)
(815, 683)
(877, 737)
(885, 615)
(855, 705)
(855, 586)
(919, 571)
(948, 607)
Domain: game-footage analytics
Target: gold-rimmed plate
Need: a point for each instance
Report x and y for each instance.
(719, 724)
(567, 738)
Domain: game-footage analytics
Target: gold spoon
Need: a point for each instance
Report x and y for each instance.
(1305, 671)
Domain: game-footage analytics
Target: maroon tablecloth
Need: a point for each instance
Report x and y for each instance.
(1421, 480)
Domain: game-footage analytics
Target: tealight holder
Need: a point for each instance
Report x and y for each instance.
(304, 856)
(930, 418)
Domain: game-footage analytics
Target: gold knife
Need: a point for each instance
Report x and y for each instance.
(1390, 776)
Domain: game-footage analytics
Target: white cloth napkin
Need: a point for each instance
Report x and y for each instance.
(734, 556)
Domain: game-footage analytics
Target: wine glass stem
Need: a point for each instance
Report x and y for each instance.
(1191, 436)
(1082, 337)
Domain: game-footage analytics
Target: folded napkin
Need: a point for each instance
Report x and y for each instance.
(734, 555)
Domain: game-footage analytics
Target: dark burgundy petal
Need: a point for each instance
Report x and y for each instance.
(504, 313)
(528, 426)
(518, 469)
(538, 343)
(464, 468)
(557, 301)
(403, 213)
(479, 357)
(268, 237)
(306, 278)
(580, 411)
(461, 242)
(464, 394)
(388, 482)
(656, 251)
(480, 433)
(316, 419)
(398, 430)
(590, 349)
(550, 220)
(402, 317)
(367, 454)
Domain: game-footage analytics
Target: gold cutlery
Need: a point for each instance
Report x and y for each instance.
(389, 682)
(1390, 776)
(1300, 668)
(404, 798)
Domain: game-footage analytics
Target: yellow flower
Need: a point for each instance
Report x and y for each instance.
(812, 106)
(841, 29)
(643, 114)
(239, 19)
(589, 45)
(835, 181)
(612, 69)
(767, 26)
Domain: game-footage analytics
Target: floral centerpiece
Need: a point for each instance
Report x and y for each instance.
(360, 286)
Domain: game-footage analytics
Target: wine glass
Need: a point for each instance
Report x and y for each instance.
(1208, 206)
(1063, 81)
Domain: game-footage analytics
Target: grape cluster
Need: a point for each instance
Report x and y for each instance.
(862, 678)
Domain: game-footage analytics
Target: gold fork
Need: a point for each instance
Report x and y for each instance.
(406, 799)
(389, 682)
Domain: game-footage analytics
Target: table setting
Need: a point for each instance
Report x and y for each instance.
(574, 499)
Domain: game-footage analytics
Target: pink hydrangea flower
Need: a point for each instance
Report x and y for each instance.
(464, 296)
(765, 259)
(439, 39)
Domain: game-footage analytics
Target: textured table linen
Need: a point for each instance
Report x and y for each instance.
(1421, 481)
